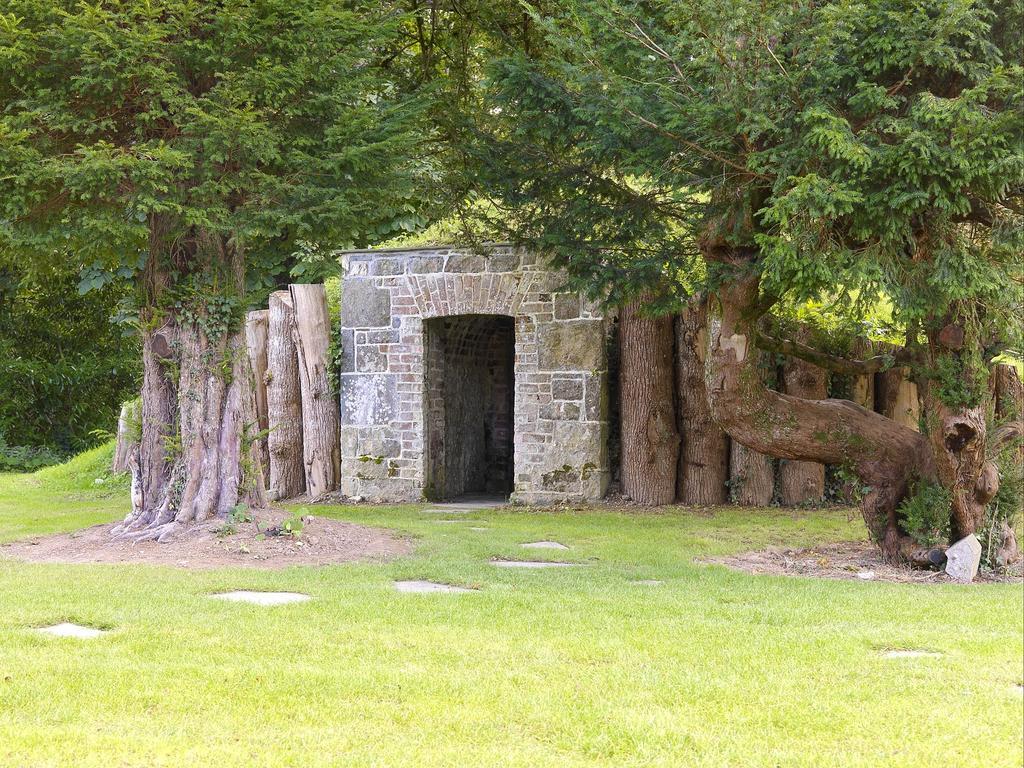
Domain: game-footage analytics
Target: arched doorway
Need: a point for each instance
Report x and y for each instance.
(468, 398)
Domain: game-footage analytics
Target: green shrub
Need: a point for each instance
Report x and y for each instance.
(925, 514)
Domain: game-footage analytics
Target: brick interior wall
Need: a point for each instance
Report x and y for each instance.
(468, 387)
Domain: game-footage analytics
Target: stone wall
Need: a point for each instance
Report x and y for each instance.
(560, 404)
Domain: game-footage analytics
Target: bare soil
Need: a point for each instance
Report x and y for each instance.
(322, 541)
(858, 560)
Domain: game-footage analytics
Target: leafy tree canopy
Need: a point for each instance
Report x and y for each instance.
(862, 149)
(269, 122)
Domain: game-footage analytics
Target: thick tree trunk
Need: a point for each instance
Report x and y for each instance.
(197, 399)
(958, 432)
(320, 417)
(704, 456)
(650, 442)
(284, 401)
(752, 474)
(885, 455)
(802, 482)
(256, 343)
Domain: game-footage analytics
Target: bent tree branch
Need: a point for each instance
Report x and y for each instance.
(886, 456)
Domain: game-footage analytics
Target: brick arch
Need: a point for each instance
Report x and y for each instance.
(441, 295)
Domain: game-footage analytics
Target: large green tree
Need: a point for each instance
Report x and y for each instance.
(197, 136)
(774, 152)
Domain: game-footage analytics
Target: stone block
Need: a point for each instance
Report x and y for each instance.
(597, 405)
(574, 345)
(465, 262)
(963, 559)
(567, 389)
(369, 359)
(364, 305)
(503, 262)
(425, 265)
(567, 306)
(367, 398)
(388, 266)
(348, 351)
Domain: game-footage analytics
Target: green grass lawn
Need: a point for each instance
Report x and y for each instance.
(560, 667)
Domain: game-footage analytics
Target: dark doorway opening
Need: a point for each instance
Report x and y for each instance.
(468, 370)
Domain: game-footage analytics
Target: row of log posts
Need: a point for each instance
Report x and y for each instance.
(299, 415)
(672, 450)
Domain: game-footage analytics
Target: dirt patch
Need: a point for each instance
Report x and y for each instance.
(858, 560)
(322, 541)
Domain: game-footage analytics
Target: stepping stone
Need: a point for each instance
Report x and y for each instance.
(262, 598)
(532, 564)
(67, 629)
(443, 522)
(908, 654)
(428, 586)
(479, 529)
(648, 582)
(543, 545)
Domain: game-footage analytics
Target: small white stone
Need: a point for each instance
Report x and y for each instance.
(262, 598)
(66, 629)
(428, 586)
(909, 654)
(543, 545)
(866, 575)
(532, 564)
(477, 528)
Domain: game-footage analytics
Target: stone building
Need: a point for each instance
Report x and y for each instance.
(467, 374)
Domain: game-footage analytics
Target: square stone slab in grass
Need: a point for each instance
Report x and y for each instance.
(543, 545)
(532, 564)
(910, 654)
(415, 585)
(262, 598)
(67, 629)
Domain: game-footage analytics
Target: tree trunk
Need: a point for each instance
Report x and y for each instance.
(958, 432)
(704, 455)
(896, 397)
(128, 425)
(284, 401)
(1008, 393)
(884, 455)
(752, 474)
(194, 462)
(320, 417)
(802, 482)
(650, 443)
(256, 343)
(862, 388)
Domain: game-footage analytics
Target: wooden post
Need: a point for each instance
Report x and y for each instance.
(128, 426)
(862, 388)
(650, 442)
(896, 398)
(704, 457)
(320, 418)
(801, 482)
(284, 403)
(256, 329)
(752, 474)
